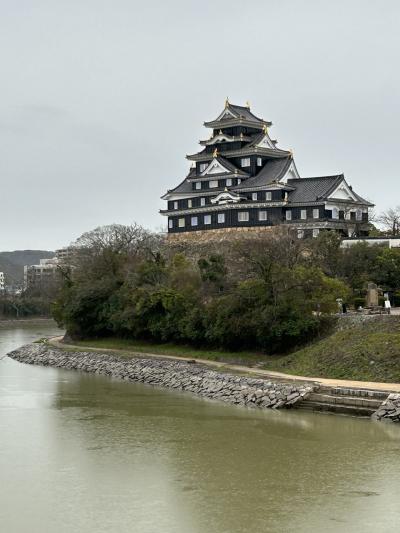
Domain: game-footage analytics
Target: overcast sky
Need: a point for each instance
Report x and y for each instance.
(102, 99)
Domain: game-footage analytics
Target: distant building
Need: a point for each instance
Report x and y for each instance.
(241, 180)
(66, 254)
(41, 276)
(2, 281)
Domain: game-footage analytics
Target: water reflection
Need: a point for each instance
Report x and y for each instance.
(113, 456)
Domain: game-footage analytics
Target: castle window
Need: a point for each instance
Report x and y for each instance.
(245, 162)
(300, 234)
(207, 219)
(239, 181)
(358, 214)
(228, 182)
(303, 214)
(315, 232)
(203, 166)
(335, 213)
(288, 215)
(213, 184)
(202, 202)
(194, 221)
(181, 222)
(243, 216)
(221, 218)
(262, 215)
(259, 161)
(175, 205)
(189, 203)
(315, 213)
(197, 185)
(254, 196)
(268, 196)
(170, 223)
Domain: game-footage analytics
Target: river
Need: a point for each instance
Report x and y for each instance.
(85, 453)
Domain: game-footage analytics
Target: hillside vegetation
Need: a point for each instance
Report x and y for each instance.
(369, 351)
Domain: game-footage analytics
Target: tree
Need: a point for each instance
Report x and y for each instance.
(390, 221)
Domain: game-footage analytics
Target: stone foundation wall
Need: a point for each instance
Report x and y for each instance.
(220, 235)
(180, 375)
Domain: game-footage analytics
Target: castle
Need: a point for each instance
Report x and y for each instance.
(241, 179)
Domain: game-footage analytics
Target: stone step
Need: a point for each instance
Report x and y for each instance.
(362, 393)
(354, 401)
(350, 410)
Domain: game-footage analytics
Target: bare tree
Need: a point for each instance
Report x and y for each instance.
(390, 221)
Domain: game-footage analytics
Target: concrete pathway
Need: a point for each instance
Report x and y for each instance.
(370, 385)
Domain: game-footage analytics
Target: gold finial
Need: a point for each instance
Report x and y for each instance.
(291, 152)
(241, 135)
(226, 102)
(226, 189)
(220, 132)
(248, 104)
(265, 128)
(215, 153)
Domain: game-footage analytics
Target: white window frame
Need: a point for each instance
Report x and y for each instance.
(181, 222)
(170, 223)
(202, 202)
(254, 196)
(203, 166)
(175, 205)
(303, 214)
(289, 215)
(243, 216)
(300, 234)
(268, 196)
(245, 162)
(228, 182)
(207, 220)
(197, 185)
(239, 181)
(213, 184)
(315, 213)
(335, 213)
(221, 218)
(194, 221)
(358, 215)
(262, 216)
(315, 232)
(190, 203)
(259, 161)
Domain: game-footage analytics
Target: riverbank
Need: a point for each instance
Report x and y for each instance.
(34, 321)
(360, 348)
(182, 375)
(230, 383)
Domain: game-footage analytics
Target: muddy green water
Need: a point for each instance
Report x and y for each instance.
(83, 453)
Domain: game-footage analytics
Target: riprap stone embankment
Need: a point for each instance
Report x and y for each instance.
(180, 375)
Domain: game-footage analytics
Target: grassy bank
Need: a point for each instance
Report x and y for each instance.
(367, 351)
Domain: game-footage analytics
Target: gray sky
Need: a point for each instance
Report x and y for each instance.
(101, 100)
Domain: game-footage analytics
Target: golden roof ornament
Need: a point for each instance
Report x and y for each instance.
(226, 102)
(241, 135)
(291, 152)
(247, 104)
(220, 132)
(265, 129)
(215, 152)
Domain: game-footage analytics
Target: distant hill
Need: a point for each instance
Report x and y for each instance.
(12, 263)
